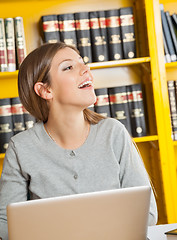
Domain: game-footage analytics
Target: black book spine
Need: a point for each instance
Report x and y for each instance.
(174, 22)
(166, 52)
(173, 107)
(102, 102)
(127, 32)
(6, 128)
(29, 120)
(83, 35)
(50, 28)
(103, 33)
(114, 35)
(67, 29)
(172, 90)
(17, 115)
(91, 107)
(98, 38)
(174, 19)
(119, 106)
(136, 110)
(167, 35)
(172, 31)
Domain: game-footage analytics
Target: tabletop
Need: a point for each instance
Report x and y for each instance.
(157, 232)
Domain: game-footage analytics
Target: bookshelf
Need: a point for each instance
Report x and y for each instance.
(170, 69)
(157, 149)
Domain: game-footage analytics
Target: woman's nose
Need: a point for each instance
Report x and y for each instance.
(84, 69)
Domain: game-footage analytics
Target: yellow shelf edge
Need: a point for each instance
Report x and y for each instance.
(95, 65)
(175, 143)
(171, 65)
(8, 74)
(123, 62)
(146, 139)
(2, 155)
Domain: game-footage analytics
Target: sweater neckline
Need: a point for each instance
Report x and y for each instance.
(86, 144)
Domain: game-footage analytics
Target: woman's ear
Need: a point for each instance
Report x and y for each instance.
(42, 91)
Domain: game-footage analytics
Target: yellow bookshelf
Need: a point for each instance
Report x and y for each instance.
(157, 149)
(146, 139)
(120, 63)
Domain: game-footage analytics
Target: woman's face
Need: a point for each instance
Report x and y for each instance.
(71, 80)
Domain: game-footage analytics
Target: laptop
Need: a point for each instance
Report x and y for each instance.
(120, 214)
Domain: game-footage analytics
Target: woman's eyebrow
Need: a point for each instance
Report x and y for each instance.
(65, 60)
(69, 59)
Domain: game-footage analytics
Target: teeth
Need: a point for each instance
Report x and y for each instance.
(85, 83)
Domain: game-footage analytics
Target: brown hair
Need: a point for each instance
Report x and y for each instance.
(35, 68)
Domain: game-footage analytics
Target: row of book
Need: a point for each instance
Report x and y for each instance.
(12, 44)
(13, 119)
(169, 28)
(126, 104)
(172, 92)
(99, 35)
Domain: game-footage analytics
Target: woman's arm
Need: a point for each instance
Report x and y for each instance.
(13, 186)
(133, 173)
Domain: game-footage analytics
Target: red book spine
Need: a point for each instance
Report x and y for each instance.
(20, 39)
(3, 51)
(10, 44)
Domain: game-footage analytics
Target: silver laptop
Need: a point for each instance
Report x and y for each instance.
(120, 214)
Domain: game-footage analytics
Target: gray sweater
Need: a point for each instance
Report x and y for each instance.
(33, 162)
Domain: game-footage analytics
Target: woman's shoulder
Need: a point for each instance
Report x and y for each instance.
(27, 135)
(112, 132)
(112, 127)
(109, 123)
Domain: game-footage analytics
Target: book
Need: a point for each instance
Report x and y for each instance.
(50, 28)
(175, 122)
(17, 115)
(127, 32)
(3, 51)
(98, 37)
(103, 33)
(67, 29)
(167, 35)
(114, 34)
(10, 44)
(29, 120)
(136, 110)
(102, 102)
(6, 129)
(119, 106)
(166, 52)
(20, 40)
(171, 235)
(174, 22)
(174, 19)
(83, 35)
(91, 107)
(173, 107)
(172, 31)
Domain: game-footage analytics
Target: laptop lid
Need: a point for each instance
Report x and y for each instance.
(109, 215)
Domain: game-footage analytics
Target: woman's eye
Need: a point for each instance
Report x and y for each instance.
(68, 68)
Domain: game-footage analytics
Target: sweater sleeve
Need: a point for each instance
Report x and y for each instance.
(133, 172)
(13, 186)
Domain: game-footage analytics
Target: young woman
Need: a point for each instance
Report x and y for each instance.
(70, 149)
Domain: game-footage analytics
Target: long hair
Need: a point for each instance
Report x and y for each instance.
(35, 68)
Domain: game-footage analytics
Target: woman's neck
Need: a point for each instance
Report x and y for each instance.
(69, 131)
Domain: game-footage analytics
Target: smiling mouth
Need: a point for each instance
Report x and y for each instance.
(85, 84)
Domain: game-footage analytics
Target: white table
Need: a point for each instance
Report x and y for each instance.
(157, 232)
